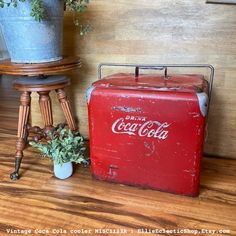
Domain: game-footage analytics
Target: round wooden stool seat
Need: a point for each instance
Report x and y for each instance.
(41, 83)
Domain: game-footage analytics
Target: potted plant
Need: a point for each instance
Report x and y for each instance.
(63, 147)
(33, 29)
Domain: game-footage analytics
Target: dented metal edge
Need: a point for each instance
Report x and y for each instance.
(89, 93)
(203, 103)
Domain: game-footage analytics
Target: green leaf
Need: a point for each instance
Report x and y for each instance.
(63, 146)
(37, 10)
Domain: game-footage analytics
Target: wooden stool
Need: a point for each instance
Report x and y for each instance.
(43, 85)
(40, 78)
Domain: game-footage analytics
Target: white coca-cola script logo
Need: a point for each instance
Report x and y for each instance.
(147, 129)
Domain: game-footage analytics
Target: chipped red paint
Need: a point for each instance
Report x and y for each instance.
(148, 131)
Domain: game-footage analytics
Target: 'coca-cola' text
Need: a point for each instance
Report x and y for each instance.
(149, 129)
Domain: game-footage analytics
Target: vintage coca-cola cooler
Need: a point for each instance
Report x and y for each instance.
(147, 129)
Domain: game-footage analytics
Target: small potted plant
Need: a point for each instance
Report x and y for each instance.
(63, 147)
(33, 29)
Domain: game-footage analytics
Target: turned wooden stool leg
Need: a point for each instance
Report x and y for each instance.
(46, 109)
(65, 104)
(22, 131)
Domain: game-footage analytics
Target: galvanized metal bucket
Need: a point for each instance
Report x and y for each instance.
(30, 41)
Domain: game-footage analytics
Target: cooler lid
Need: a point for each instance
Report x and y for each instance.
(181, 82)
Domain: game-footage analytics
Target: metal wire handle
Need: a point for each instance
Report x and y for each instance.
(162, 67)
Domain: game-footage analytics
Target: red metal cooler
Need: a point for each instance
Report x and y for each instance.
(147, 129)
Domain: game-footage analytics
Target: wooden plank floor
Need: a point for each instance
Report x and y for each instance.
(38, 201)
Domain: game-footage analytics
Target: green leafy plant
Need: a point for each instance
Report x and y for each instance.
(38, 10)
(62, 145)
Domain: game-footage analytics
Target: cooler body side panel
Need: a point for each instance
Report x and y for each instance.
(149, 139)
